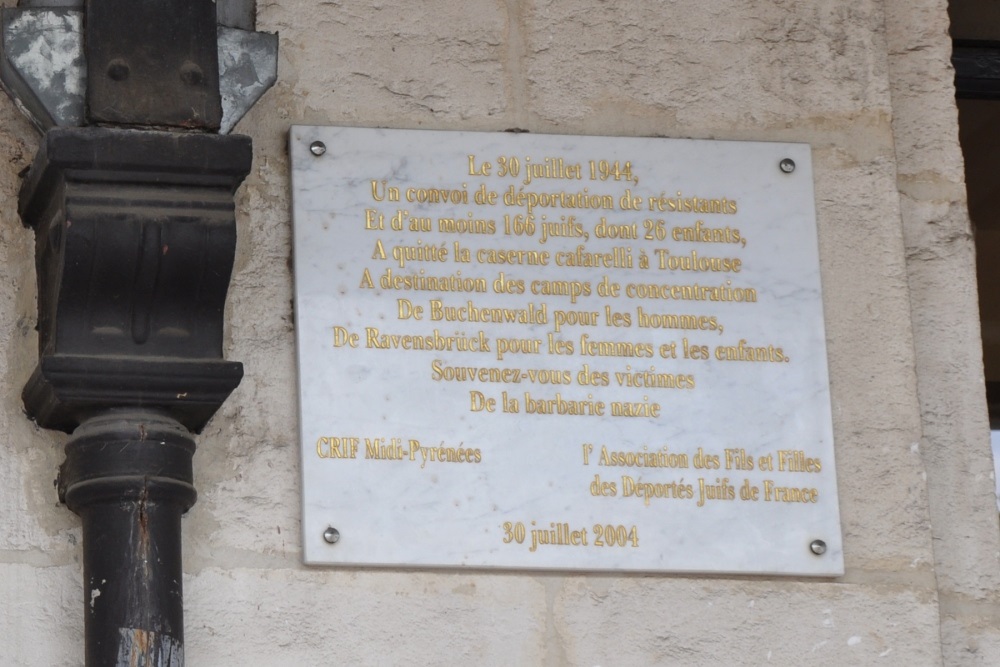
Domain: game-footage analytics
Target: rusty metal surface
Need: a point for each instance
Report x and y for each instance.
(153, 63)
(128, 474)
(142, 648)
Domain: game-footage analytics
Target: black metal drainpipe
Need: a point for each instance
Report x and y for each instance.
(135, 236)
(128, 475)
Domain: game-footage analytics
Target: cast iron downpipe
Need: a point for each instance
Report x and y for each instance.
(135, 237)
(128, 475)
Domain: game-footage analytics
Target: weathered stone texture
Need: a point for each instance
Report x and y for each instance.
(865, 83)
(286, 617)
(747, 623)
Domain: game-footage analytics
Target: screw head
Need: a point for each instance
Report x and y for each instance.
(118, 70)
(787, 165)
(331, 535)
(317, 148)
(818, 547)
(191, 74)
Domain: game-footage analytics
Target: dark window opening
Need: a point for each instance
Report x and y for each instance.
(975, 30)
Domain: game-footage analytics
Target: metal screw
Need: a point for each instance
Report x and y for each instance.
(331, 535)
(317, 148)
(118, 70)
(787, 165)
(191, 74)
(818, 547)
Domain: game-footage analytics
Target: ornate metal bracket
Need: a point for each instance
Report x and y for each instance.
(135, 235)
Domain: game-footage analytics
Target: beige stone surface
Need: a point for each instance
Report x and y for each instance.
(288, 617)
(722, 622)
(865, 83)
(707, 68)
(391, 63)
(941, 266)
(41, 622)
(364, 618)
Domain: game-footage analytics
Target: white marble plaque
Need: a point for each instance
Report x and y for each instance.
(561, 352)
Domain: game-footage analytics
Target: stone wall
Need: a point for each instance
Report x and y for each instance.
(866, 83)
